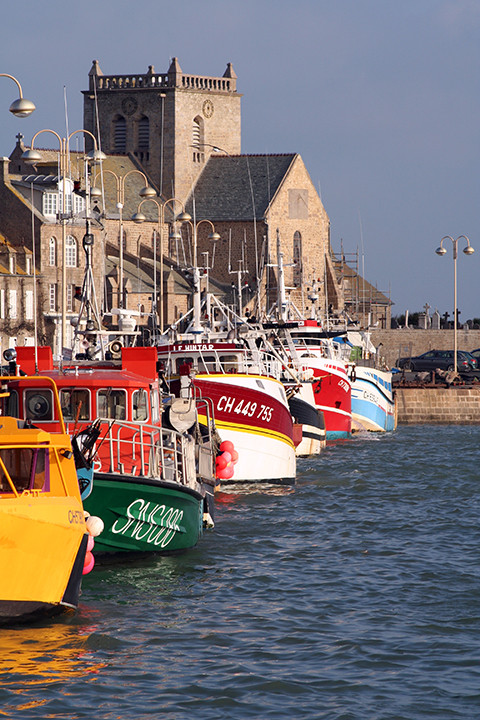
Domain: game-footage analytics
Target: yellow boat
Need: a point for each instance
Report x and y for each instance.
(43, 534)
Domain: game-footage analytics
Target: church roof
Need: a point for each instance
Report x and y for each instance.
(238, 187)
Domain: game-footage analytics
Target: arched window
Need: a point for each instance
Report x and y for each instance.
(297, 259)
(71, 252)
(196, 132)
(143, 133)
(52, 252)
(120, 134)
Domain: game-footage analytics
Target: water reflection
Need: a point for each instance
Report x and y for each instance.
(40, 655)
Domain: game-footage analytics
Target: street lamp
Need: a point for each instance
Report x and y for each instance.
(214, 236)
(20, 107)
(139, 217)
(147, 192)
(31, 157)
(468, 250)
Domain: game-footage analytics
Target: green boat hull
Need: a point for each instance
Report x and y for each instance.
(144, 516)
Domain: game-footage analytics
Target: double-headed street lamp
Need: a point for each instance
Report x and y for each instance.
(20, 107)
(139, 217)
(31, 157)
(146, 192)
(468, 250)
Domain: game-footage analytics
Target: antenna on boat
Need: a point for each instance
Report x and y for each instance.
(88, 322)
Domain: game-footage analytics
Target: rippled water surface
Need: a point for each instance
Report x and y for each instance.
(352, 596)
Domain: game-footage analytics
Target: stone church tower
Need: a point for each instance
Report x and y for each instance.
(169, 121)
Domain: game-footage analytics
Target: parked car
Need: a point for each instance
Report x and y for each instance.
(442, 359)
(476, 354)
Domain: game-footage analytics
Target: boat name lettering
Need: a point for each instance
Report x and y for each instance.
(75, 517)
(151, 523)
(201, 348)
(370, 397)
(344, 385)
(241, 407)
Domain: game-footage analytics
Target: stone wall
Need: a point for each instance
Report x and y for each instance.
(439, 406)
(403, 343)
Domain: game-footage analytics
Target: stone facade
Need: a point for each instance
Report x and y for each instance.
(439, 406)
(159, 117)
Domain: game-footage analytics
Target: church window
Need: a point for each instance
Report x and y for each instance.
(144, 133)
(120, 134)
(197, 139)
(297, 259)
(196, 133)
(71, 252)
(52, 252)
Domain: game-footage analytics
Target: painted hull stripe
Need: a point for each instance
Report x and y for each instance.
(251, 430)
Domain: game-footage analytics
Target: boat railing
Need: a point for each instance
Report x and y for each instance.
(146, 451)
(239, 360)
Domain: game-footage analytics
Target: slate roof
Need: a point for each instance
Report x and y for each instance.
(238, 187)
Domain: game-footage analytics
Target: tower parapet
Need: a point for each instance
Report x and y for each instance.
(174, 78)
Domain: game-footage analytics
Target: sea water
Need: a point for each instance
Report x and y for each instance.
(354, 595)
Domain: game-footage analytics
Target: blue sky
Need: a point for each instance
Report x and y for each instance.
(380, 98)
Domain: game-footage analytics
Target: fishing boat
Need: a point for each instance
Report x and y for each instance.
(248, 399)
(313, 435)
(312, 349)
(43, 532)
(152, 482)
(373, 398)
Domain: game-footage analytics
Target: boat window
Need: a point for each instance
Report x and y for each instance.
(154, 399)
(140, 405)
(38, 405)
(112, 404)
(10, 404)
(206, 364)
(183, 361)
(75, 404)
(229, 362)
(27, 468)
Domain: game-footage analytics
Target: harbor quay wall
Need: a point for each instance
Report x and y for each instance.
(405, 342)
(456, 405)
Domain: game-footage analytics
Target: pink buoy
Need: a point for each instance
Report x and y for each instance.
(88, 563)
(90, 543)
(221, 462)
(228, 472)
(227, 446)
(227, 456)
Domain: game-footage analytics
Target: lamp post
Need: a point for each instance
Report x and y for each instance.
(31, 157)
(20, 107)
(139, 217)
(146, 192)
(214, 236)
(468, 250)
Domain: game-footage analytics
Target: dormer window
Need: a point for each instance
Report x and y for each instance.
(11, 264)
(52, 202)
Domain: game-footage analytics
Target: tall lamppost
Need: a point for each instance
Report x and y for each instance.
(214, 236)
(20, 107)
(139, 217)
(31, 157)
(468, 250)
(147, 192)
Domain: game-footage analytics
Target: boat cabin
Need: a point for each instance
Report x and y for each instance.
(87, 391)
